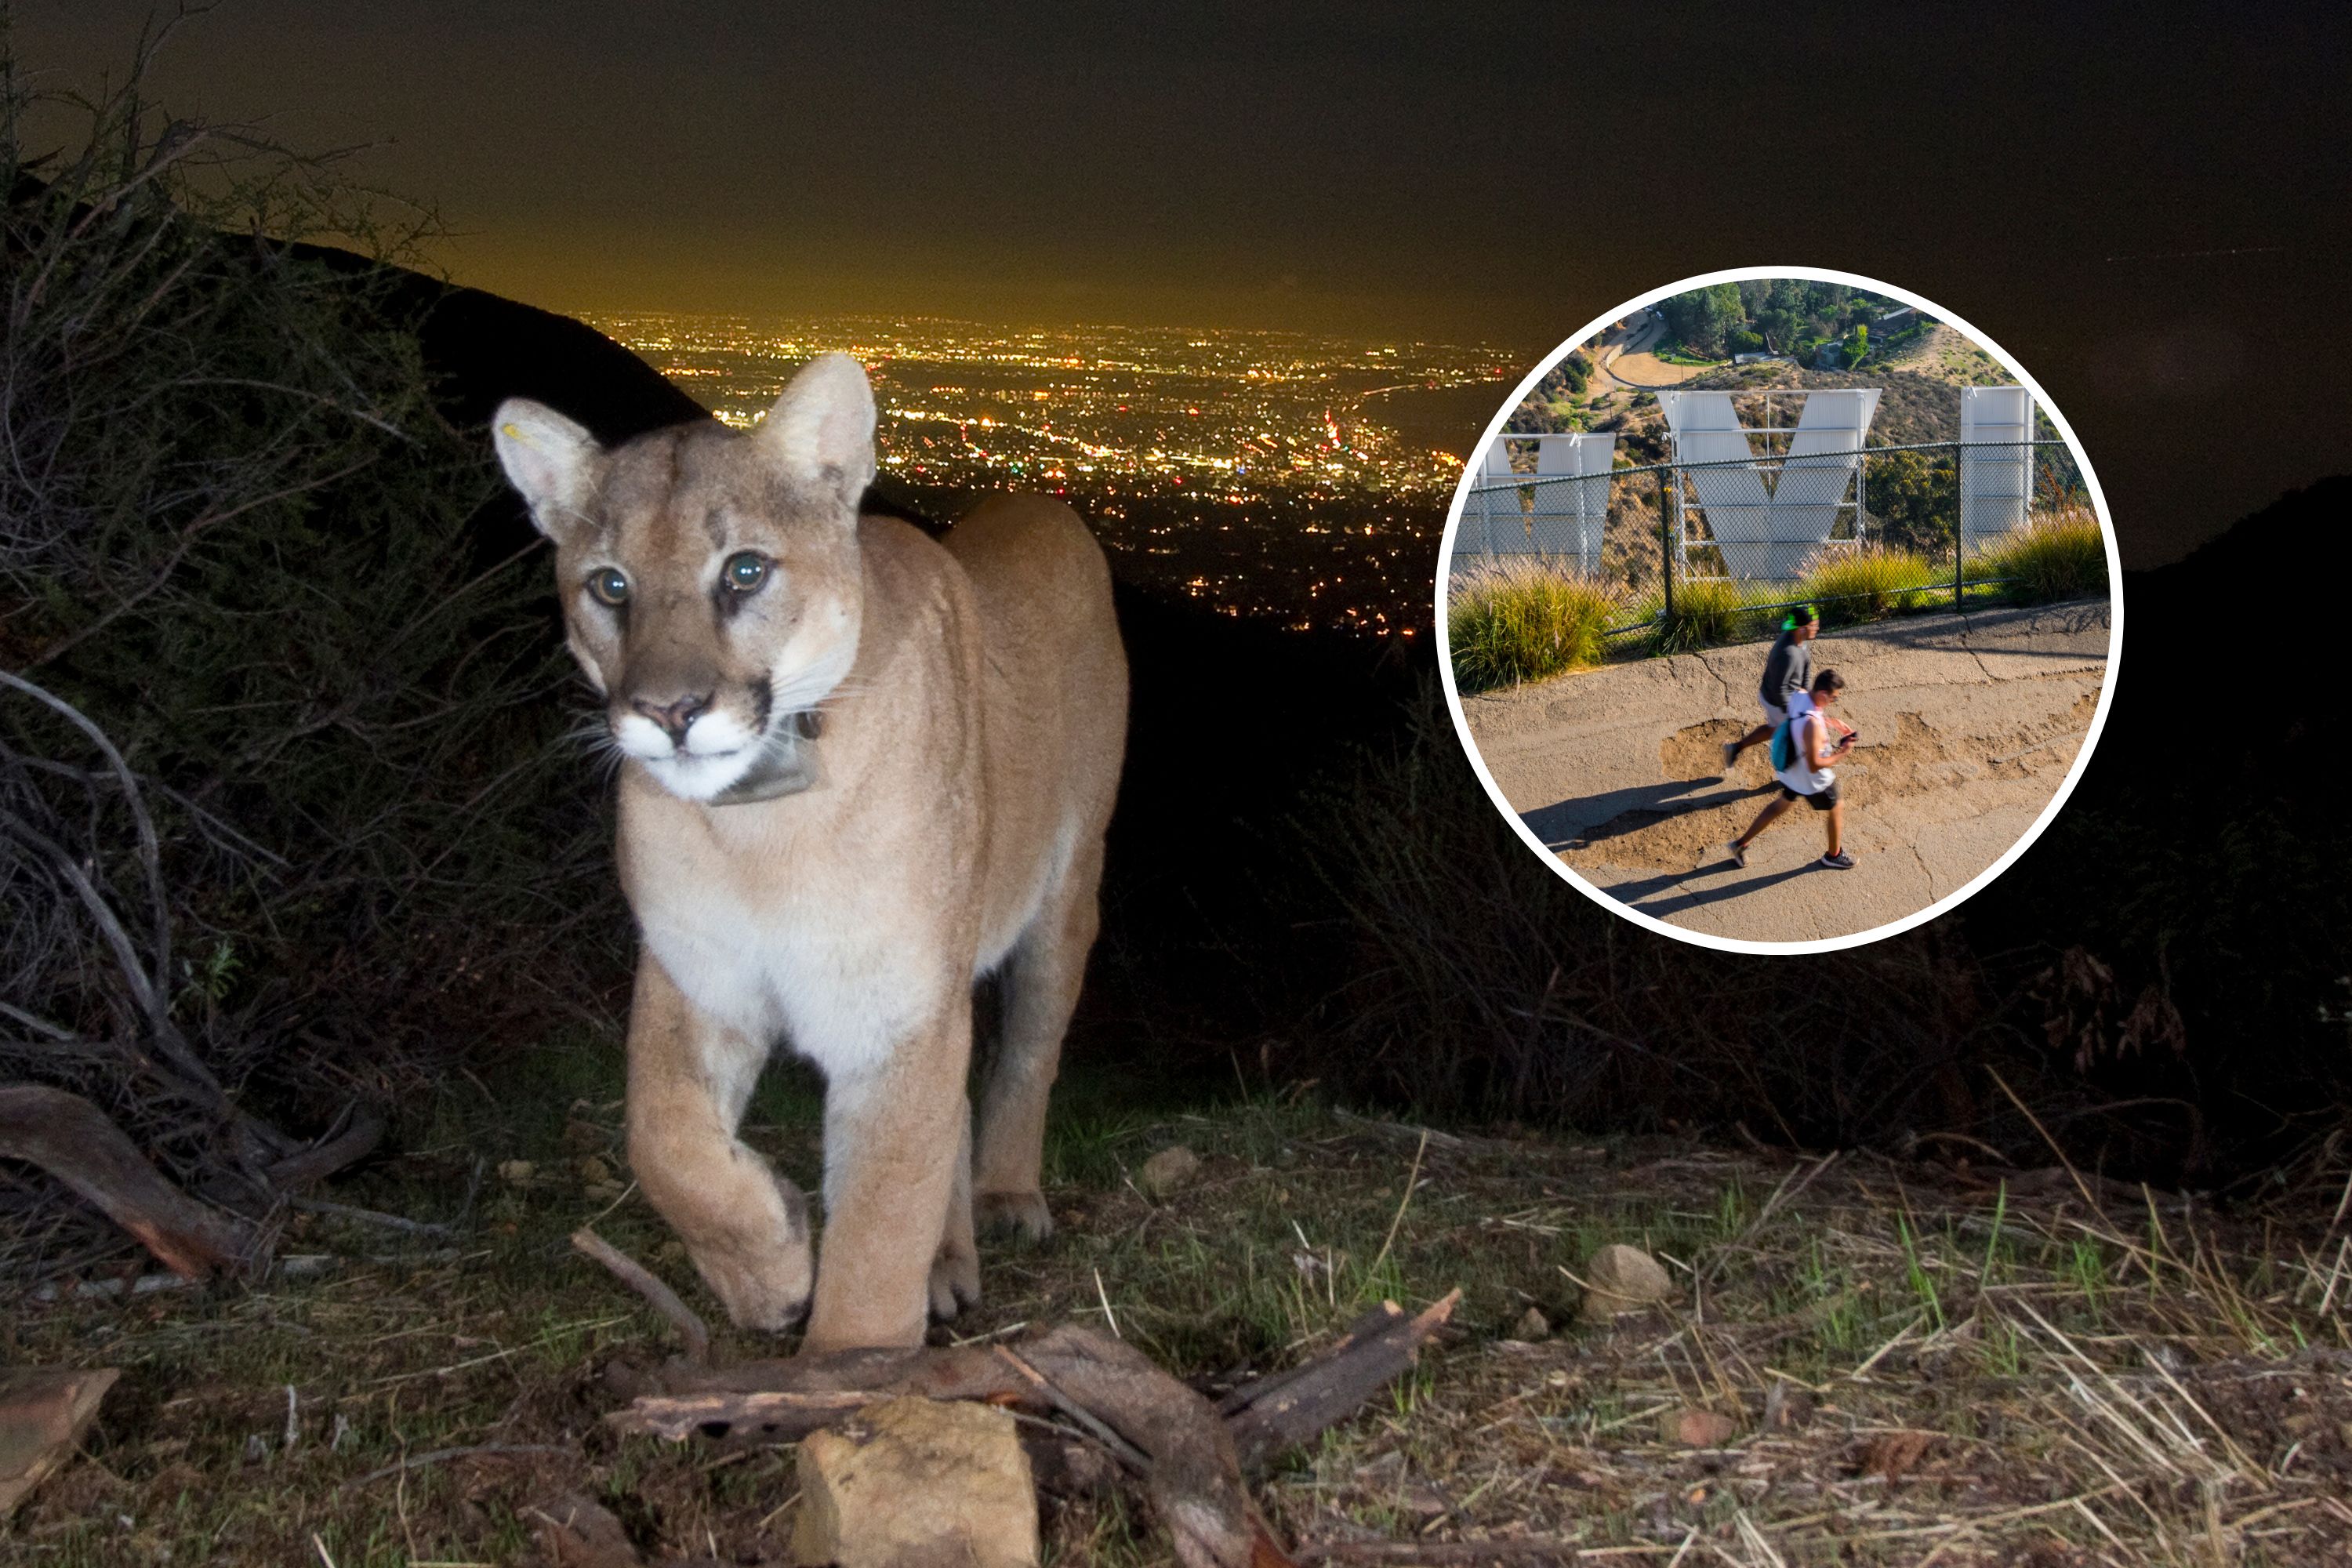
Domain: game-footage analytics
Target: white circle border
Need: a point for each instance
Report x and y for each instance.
(1951, 900)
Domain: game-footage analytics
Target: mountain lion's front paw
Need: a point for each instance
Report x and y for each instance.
(1024, 1213)
(765, 1282)
(763, 1292)
(955, 1280)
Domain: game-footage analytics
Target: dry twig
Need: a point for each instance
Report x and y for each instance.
(660, 1297)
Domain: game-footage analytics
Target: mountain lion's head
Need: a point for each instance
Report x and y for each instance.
(709, 577)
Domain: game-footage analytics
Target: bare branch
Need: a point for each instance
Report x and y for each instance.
(74, 1141)
(151, 854)
(660, 1297)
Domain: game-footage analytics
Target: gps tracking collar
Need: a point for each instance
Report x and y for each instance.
(786, 763)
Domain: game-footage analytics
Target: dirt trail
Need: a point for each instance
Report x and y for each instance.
(1967, 726)
(1625, 357)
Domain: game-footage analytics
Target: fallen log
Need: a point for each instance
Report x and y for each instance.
(779, 1401)
(1293, 1408)
(1162, 1431)
(1189, 1457)
(363, 1128)
(78, 1145)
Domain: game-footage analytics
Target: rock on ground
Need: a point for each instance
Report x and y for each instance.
(1621, 1278)
(1689, 1428)
(1168, 1171)
(917, 1482)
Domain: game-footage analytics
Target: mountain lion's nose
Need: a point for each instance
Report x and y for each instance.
(673, 717)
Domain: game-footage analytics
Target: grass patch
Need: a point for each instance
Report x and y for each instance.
(1874, 581)
(1524, 621)
(1708, 611)
(2062, 555)
(2022, 1348)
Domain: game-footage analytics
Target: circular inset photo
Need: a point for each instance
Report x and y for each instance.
(1781, 609)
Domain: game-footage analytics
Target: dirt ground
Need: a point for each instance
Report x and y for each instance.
(1625, 357)
(1866, 1362)
(1967, 726)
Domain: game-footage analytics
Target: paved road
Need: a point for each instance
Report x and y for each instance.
(1968, 724)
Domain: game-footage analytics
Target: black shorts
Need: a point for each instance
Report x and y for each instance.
(1820, 801)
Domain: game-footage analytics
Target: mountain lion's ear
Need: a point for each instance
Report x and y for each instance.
(821, 431)
(552, 461)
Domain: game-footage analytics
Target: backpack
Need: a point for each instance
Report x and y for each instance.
(1785, 749)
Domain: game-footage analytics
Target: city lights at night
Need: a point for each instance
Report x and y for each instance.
(1296, 478)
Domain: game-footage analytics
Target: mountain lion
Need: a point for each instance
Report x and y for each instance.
(862, 768)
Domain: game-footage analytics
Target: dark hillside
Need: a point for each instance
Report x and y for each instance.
(1258, 843)
(482, 349)
(1304, 880)
(2202, 858)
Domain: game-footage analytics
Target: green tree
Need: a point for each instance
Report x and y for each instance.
(1914, 498)
(1699, 319)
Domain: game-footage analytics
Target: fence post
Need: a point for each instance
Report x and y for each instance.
(1959, 536)
(1861, 502)
(1665, 548)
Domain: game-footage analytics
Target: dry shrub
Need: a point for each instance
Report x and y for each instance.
(279, 801)
(1475, 982)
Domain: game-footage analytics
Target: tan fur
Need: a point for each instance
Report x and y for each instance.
(973, 702)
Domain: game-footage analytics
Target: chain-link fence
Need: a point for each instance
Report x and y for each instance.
(1799, 515)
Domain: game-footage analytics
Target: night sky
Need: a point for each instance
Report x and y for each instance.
(2150, 212)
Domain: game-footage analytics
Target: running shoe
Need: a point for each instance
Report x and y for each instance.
(1838, 862)
(1739, 856)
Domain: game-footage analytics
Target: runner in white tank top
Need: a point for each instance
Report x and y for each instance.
(1809, 739)
(1808, 776)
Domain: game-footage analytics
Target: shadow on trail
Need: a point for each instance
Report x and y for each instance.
(1633, 893)
(1561, 825)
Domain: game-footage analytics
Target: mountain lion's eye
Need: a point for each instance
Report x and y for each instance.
(609, 586)
(743, 571)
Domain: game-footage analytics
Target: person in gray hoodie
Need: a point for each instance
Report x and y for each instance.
(1788, 672)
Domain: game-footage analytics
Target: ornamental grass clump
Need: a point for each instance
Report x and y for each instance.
(2059, 555)
(1526, 621)
(1874, 580)
(1707, 611)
